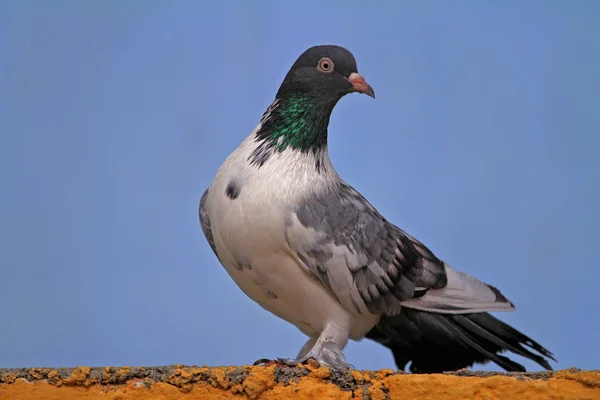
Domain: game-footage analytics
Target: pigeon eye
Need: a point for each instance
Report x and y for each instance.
(325, 65)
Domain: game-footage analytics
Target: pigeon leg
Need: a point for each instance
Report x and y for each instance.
(290, 362)
(329, 354)
(307, 347)
(327, 349)
(301, 354)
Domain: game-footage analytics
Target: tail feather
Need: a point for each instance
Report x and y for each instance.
(504, 342)
(509, 333)
(444, 342)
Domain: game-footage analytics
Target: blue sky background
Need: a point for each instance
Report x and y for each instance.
(483, 142)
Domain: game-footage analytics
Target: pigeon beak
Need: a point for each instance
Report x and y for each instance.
(360, 85)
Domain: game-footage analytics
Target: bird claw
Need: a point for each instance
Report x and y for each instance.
(313, 363)
(293, 363)
(265, 362)
(278, 362)
(286, 362)
(328, 354)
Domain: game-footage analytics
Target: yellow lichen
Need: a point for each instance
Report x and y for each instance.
(319, 373)
(123, 371)
(270, 383)
(8, 378)
(382, 373)
(588, 378)
(259, 381)
(79, 377)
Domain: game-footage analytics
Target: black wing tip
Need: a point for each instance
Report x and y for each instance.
(436, 343)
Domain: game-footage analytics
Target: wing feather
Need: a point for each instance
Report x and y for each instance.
(373, 266)
(205, 222)
(367, 262)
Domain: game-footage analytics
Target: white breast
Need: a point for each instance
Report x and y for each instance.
(249, 235)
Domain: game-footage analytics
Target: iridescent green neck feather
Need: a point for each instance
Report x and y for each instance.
(295, 122)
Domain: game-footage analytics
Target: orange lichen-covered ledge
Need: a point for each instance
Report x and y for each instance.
(179, 382)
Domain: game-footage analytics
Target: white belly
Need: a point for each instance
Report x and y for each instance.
(271, 276)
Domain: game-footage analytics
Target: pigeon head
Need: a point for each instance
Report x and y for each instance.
(298, 118)
(329, 71)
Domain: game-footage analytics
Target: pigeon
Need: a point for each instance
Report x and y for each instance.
(309, 248)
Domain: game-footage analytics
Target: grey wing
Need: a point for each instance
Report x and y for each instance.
(369, 264)
(205, 222)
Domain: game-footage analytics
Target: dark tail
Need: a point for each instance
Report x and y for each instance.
(444, 342)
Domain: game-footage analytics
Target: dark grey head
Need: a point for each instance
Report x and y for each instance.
(299, 116)
(329, 70)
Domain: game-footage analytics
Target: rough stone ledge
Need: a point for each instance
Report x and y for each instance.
(304, 382)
